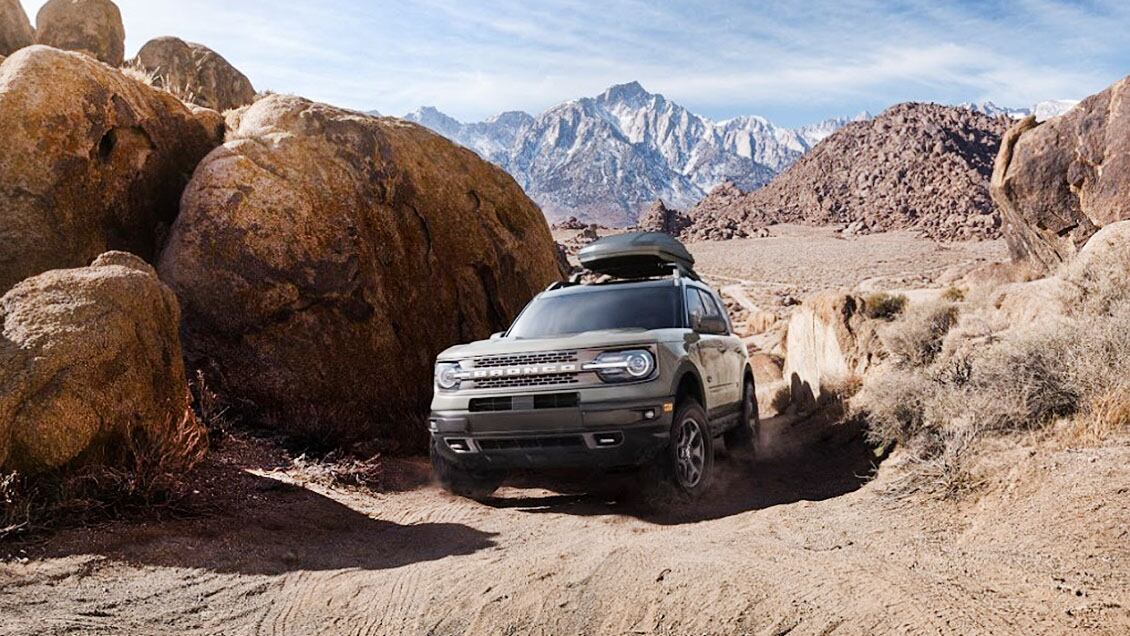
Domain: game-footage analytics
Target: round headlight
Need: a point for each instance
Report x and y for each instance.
(445, 375)
(638, 364)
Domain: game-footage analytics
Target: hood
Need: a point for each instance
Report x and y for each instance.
(608, 338)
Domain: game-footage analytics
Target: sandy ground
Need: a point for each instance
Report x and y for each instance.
(804, 541)
(798, 543)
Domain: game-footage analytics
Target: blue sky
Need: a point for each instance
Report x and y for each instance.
(793, 62)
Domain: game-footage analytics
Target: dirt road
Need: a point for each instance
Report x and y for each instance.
(801, 543)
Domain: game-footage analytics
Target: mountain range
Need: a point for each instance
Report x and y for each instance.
(1042, 110)
(604, 159)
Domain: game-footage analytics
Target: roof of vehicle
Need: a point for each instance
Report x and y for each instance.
(613, 284)
(636, 255)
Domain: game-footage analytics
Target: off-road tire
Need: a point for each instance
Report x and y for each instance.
(743, 439)
(687, 464)
(473, 484)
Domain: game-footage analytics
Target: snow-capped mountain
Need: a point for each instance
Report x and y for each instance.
(1042, 110)
(606, 158)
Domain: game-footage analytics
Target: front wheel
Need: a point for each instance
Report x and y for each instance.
(473, 484)
(690, 455)
(743, 438)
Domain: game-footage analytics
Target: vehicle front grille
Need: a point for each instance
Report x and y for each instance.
(528, 443)
(519, 359)
(545, 379)
(507, 403)
(481, 405)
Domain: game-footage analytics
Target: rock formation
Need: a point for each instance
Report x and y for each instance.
(1058, 182)
(829, 343)
(195, 72)
(93, 27)
(920, 166)
(90, 356)
(15, 28)
(323, 258)
(660, 218)
(91, 161)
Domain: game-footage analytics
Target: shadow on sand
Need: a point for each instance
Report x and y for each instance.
(805, 460)
(267, 526)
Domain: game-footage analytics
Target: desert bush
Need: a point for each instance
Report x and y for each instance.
(883, 306)
(953, 294)
(916, 339)
(938, 403)
(147, 473)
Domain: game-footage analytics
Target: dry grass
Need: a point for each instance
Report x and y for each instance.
(153, 79)
(917, 339)
(883, 306)
(146, 471)
(939, 401)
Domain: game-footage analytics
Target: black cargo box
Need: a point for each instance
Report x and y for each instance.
(636, 255)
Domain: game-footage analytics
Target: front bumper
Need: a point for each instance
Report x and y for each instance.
(602, 434)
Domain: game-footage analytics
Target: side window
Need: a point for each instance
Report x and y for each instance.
(715, 312)
(694, 303)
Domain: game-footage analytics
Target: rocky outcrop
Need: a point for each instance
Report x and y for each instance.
(1058, 182)
(91, 161)
(196, 72)
(15, 28)
(89, 357)
(660, 218)
(93, 27)
(324, 257)
(830, 343)
(915, 166)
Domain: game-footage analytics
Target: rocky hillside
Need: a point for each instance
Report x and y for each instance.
(920, 166)
(606, 158)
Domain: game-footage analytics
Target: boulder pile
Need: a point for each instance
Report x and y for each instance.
(660, 218)
(92, 161)
(324, 257)
(1059, 181)
(916, 166)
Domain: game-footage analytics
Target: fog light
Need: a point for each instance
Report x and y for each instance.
(649, 414)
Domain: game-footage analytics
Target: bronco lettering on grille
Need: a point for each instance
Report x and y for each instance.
(497, 372)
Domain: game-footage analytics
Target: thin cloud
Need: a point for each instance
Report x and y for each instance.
(790, 61)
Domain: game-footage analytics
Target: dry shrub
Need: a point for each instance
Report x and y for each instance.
(146, 472)
(916, 339)
(152, 79)
(938, 402)
(338, 469)
(883, 306)
(953, 294)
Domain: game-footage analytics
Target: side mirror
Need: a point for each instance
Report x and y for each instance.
(497, 335)
(707, 324)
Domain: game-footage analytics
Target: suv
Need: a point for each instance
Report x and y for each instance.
(639, 370)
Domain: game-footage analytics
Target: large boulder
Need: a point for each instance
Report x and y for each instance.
(90, 160)
(323, 258)
(89, 358)
(660, 218)
(93, 27)
(196, 72)
(830, 343)
(1058, 182)
(15, 28)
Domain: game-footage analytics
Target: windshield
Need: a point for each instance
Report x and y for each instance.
(613, 308)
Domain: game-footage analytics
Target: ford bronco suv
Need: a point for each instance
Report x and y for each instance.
(641, 370)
